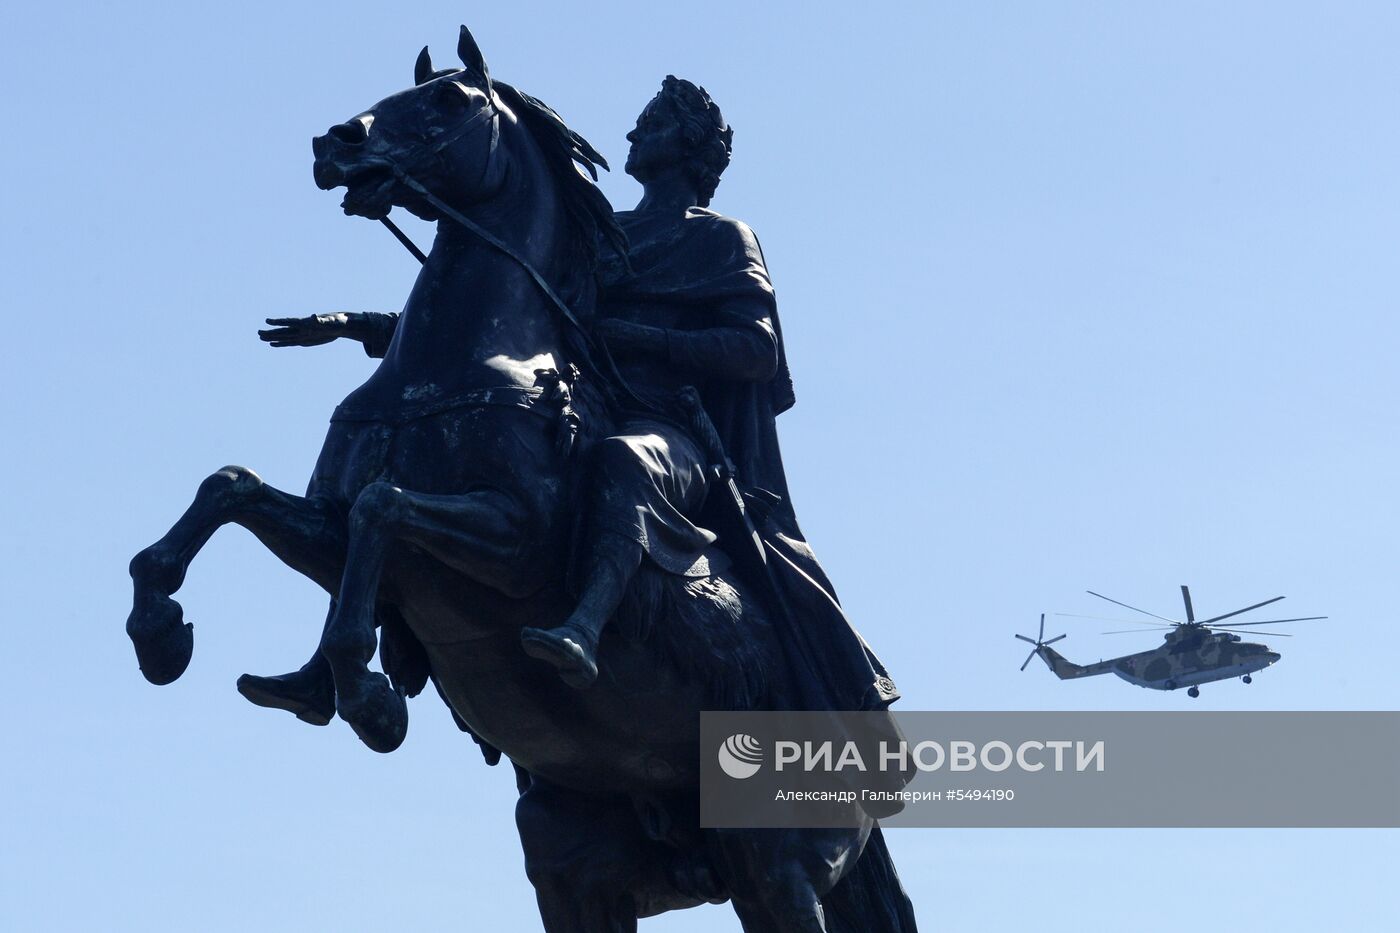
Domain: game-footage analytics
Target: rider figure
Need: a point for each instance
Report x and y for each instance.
(666, 331)
(691, 305)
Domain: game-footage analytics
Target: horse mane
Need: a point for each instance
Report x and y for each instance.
(568, 156)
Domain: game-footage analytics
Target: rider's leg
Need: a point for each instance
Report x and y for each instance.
(643, 485)
(573, 647)
(307, 534)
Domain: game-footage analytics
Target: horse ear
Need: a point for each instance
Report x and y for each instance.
(423, 68)
(470, 55)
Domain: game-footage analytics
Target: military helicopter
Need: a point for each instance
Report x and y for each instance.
(1194, 652)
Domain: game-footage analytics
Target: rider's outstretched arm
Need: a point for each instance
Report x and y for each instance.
(374, 330)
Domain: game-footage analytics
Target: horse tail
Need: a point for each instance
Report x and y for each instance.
(870, 898)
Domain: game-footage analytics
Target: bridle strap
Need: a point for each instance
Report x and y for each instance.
(489, 111)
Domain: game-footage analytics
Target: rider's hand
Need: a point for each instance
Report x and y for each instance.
(307, 331)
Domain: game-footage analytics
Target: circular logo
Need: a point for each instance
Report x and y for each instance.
(740, 756)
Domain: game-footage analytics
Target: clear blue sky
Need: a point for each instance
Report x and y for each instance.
(1076, 295)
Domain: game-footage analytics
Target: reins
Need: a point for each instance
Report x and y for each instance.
(402, 237)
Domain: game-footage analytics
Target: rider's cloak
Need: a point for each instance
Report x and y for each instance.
(712, 266)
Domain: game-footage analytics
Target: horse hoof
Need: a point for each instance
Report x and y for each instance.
(163, 641)
(376, 712)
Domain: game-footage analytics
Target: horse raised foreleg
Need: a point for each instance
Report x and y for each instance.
(306, 534)
(478, 534)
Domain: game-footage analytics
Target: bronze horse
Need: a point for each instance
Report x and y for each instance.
(439, 512)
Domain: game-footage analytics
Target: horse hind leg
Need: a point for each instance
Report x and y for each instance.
(593, 868)
(576, 852)
(304, 533)
(776, 878)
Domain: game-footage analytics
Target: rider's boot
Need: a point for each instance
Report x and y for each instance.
(308, 694)
(573, 647)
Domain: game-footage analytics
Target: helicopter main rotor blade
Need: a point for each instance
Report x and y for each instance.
(1186, 598)
(1238, 611)
(1053, 640)
(1246, 631)
(1276, 621)
(1075, 615)
(1027, 640)
(1136, 609)
(1131, 631)
(1028, 658)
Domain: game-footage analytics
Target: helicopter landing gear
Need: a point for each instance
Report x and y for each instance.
(1194, 692)
(1247, 679)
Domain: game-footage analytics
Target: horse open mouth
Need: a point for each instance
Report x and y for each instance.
(367, 193)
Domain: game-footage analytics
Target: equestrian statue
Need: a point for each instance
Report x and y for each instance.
(559, 498)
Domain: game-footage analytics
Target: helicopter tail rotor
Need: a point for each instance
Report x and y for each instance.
(1039, 641)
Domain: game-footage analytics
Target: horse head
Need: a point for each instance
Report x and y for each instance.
(444, 132)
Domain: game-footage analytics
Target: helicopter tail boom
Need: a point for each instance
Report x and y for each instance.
(1068, 670)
